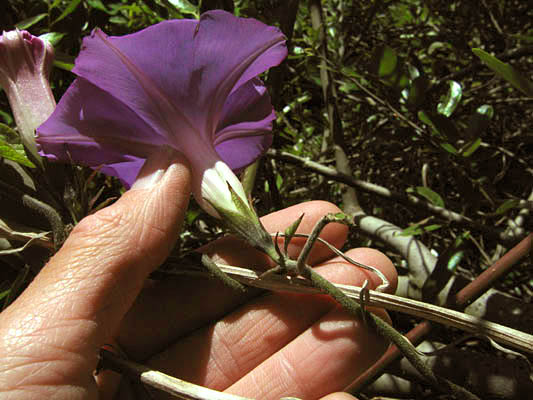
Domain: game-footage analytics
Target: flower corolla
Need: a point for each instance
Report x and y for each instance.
(187, 84)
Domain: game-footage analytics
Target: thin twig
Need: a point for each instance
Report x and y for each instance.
(407, 200)
(174, 386)
(462, 299)
(385, 284)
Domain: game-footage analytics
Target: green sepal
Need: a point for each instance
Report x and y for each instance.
(290, 231)
(246, 224)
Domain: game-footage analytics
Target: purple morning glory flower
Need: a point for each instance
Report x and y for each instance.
(187, 84)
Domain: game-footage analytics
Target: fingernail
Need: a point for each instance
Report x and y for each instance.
(155, 167)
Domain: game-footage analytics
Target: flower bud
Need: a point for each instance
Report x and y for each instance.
(25, 64)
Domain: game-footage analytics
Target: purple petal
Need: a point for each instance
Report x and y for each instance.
(148, 71)
(229, 52)
(91, 127)
(126, 171)
(196, 70)
(240, 151)
(243, 134)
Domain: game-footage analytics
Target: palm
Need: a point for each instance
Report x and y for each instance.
(262, 343)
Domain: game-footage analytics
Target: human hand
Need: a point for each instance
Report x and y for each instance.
(94, 292)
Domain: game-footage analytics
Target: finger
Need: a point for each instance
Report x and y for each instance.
(253, 338)
(339, 396)
(325, 358)
(77, 301)
(177, 307)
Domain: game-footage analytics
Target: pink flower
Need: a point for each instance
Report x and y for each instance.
(25, 64)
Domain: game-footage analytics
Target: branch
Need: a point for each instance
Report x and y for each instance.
(349, 196)
(499, 333)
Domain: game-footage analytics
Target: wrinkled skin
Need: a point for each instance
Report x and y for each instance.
(94, 291)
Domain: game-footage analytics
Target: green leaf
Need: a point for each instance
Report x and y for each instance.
(441, 125)
(468, 150)
(52, 37)
(191, 215)
(98, 5)
(67, 11)
(454, 260)
(28, 22)
(451, 100)
(63, 61)
(8, 131)
(486, 110)
(279, 181)
(431, 196)
(387, 66)
(507, 205)
(422, 116)
(387, 61)
(184, 6)
(449, 148)
(14, 152)
(445, 126)
(417, 229)
(506, 71)
(8, 119)
(351, 72)
(119, 20)
(417, 91)
(11, 148)
(4, 294)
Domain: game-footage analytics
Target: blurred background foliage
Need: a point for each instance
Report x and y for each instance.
(419, 112)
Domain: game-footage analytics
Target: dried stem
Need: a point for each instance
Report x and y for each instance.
(511, 337)
(174, 386)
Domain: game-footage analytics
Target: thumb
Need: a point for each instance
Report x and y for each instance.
(76, 303)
